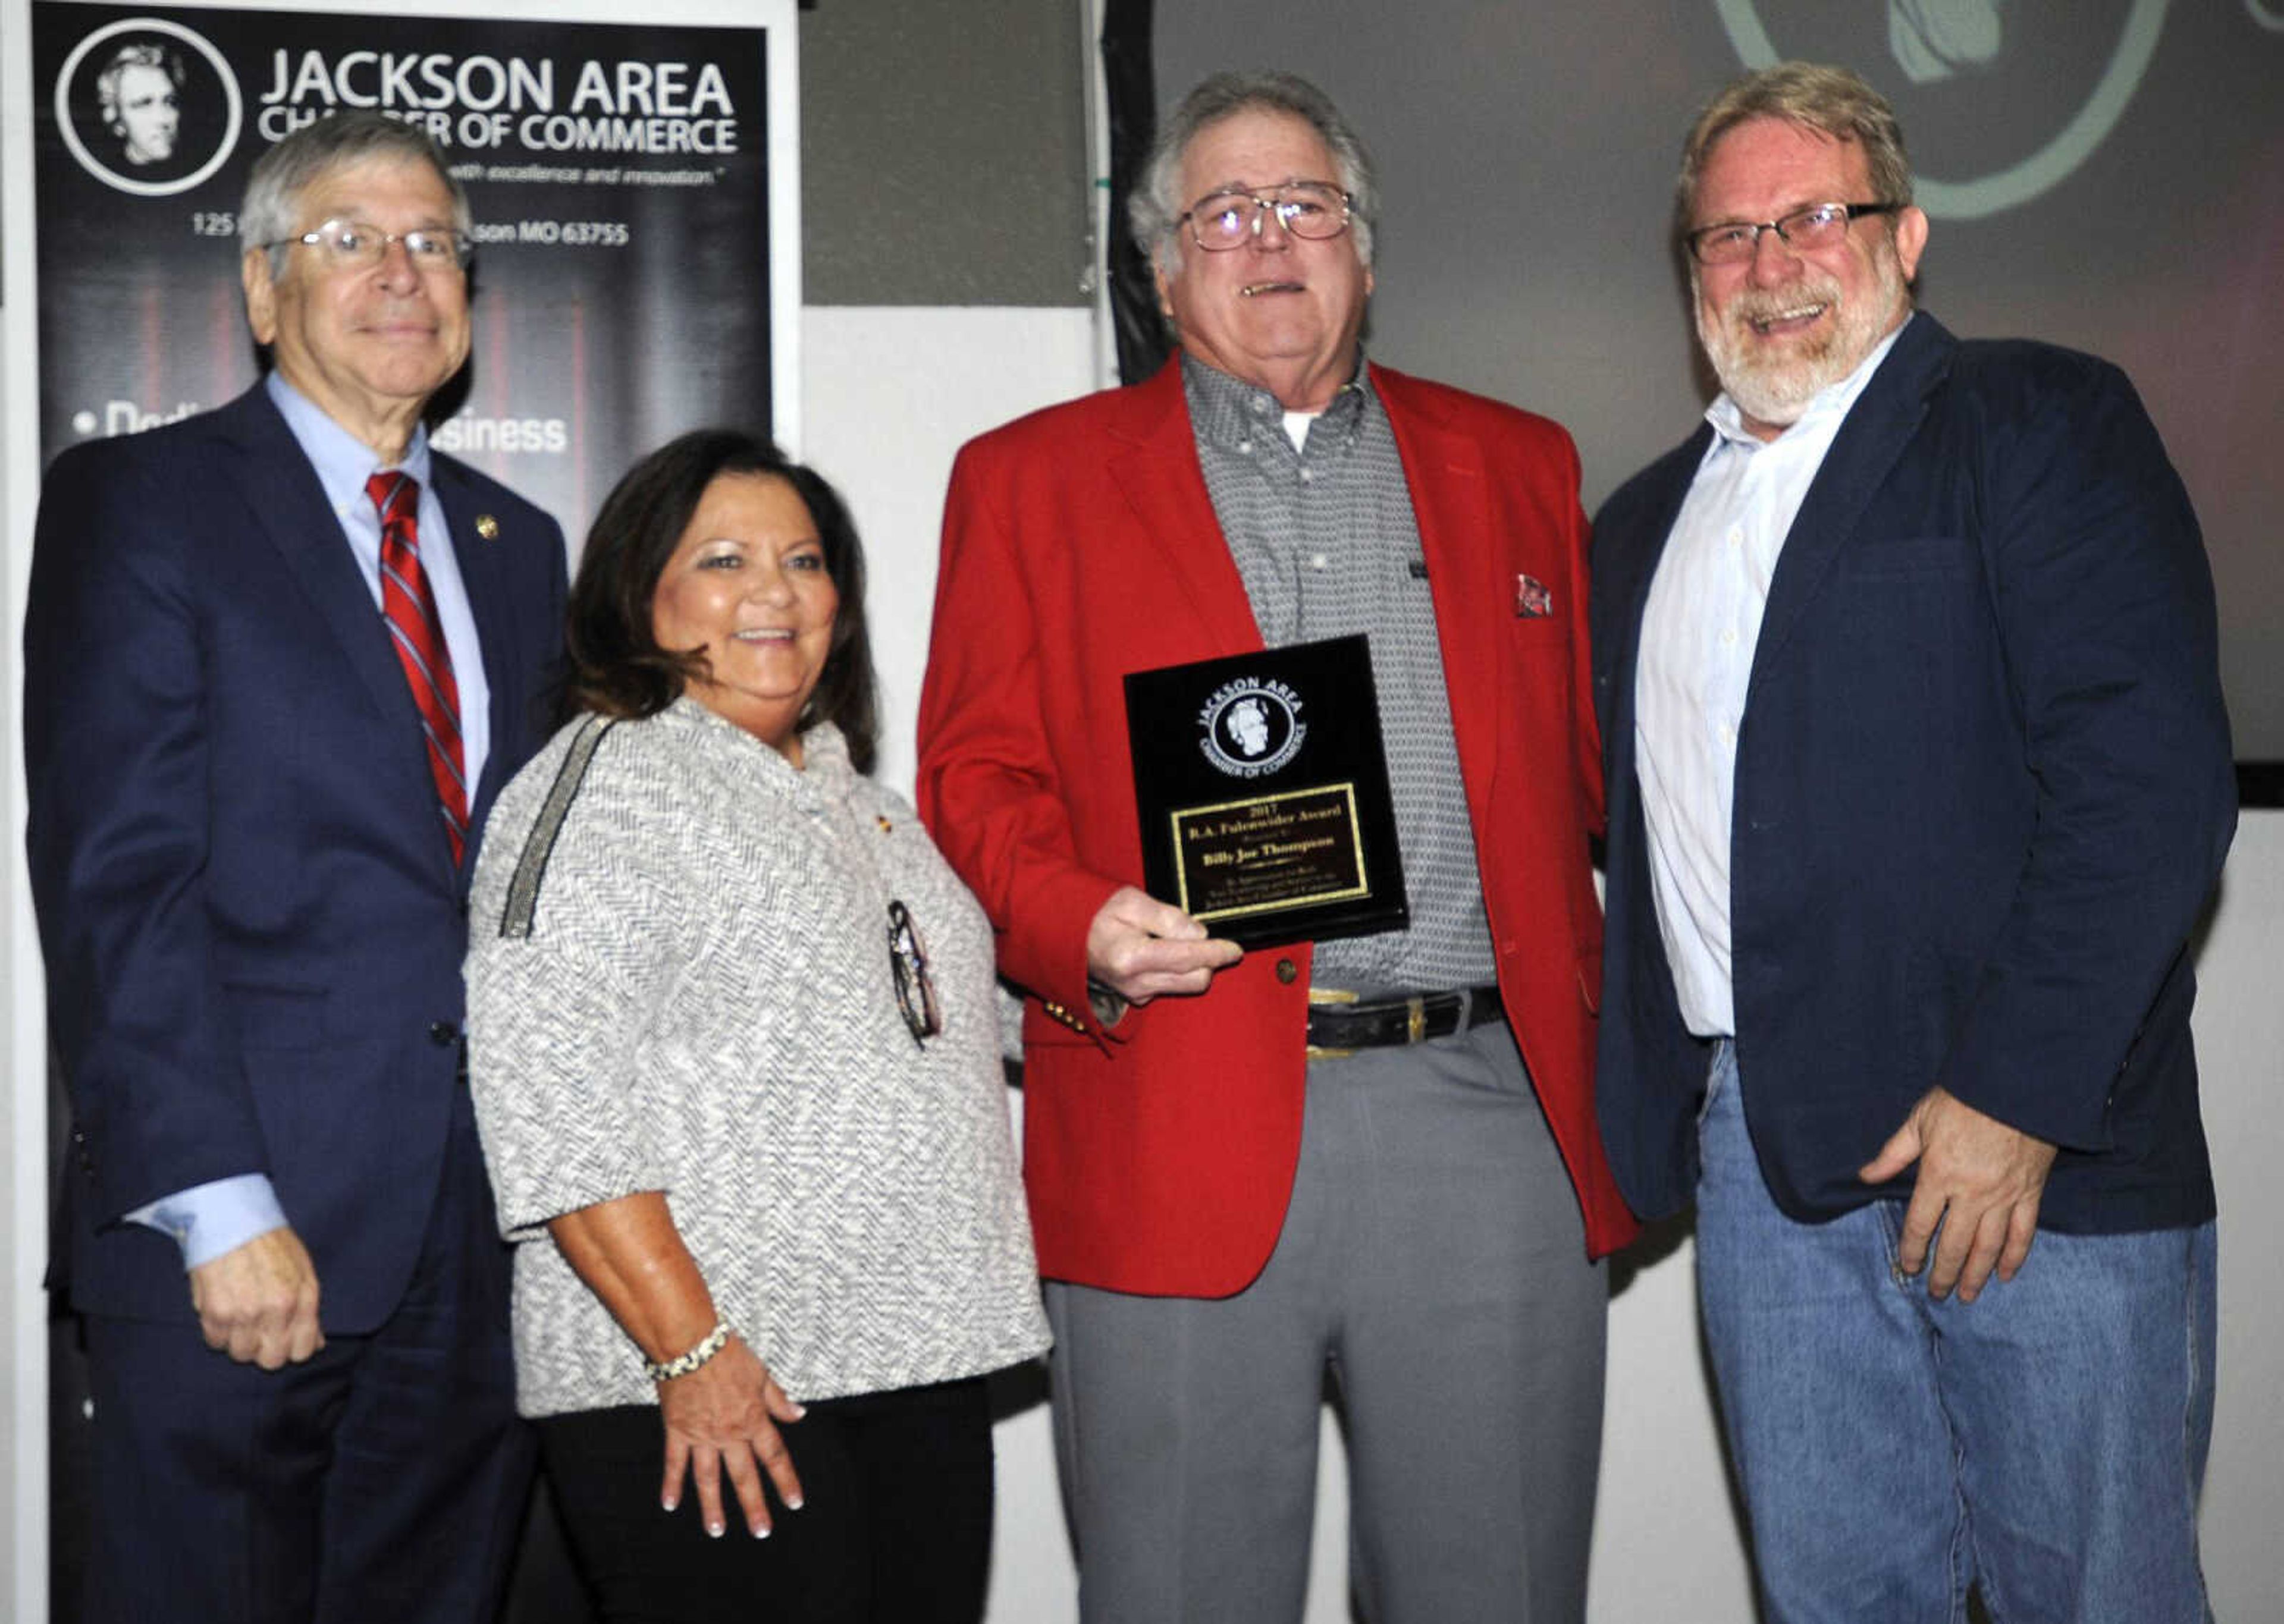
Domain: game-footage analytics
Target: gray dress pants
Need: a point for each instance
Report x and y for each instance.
(1433, 1265)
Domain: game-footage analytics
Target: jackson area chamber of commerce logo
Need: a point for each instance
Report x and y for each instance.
(2022, 91)
(1249, 727)
(148, 106)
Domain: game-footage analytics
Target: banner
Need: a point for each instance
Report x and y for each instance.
(621, 182)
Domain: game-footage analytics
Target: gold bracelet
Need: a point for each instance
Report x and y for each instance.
(667, 1370)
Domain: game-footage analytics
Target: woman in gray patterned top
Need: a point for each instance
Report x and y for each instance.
(748, 1126)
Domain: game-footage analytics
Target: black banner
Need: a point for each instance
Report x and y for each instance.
(619, 177)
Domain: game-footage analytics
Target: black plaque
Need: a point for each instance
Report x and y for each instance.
(1263, 792)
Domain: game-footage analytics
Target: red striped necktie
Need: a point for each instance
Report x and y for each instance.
(409, 608)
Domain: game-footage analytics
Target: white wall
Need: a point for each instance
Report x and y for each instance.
(889, 394)
(23, 1081)
(2240, 1027)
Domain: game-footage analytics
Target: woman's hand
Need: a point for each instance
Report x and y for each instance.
(721, 1419)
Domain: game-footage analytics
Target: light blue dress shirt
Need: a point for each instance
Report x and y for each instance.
(208, 1219)
(1700, 630)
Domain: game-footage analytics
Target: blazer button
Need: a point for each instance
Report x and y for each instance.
(443, 1033)
(1287, 972)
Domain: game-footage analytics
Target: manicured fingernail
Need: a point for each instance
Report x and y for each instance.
(800, 1410)
(762, 1532)
(714, 1530)
(794, 1504)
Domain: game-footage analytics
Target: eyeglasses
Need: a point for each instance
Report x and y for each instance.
(1310, 210)
(352, 244)
(908, 963)
(1819, 225)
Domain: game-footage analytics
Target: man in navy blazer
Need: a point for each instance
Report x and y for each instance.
(266, 709)
(1918, 777)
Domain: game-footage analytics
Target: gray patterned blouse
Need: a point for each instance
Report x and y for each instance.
(704, 1005)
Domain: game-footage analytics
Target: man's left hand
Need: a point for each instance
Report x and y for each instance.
(258, 1302)
(1979, 1179)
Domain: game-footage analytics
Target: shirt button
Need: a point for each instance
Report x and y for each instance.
(443, 1033)
(1287, 972)
(1736, 536)
(1728, 734)
(1729, 638)
(1317, 560)
(1245, 446)
(1307, 477)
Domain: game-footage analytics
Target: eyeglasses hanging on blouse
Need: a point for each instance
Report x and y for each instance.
(908, 964)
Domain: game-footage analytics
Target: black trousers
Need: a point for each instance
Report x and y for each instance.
(896, 1527)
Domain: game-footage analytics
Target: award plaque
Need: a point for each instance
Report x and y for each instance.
(1263, 792)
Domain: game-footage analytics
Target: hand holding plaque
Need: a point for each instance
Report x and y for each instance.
(1262, 786)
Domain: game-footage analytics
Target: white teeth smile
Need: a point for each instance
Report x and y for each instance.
(766, 633)
(1762, 323)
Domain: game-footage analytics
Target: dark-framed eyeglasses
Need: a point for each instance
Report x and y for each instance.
(908, 964)
(1224, 220)
(1819, 225)
(351, 245)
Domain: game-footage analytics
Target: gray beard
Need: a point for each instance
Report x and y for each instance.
(1779, 391)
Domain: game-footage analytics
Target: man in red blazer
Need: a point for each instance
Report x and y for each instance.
(1224, 1217)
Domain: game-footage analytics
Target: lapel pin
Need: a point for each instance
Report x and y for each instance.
(1532, 600)
(487, 527)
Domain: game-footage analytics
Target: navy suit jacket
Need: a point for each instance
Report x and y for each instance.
(1984, 787)
(252, 923)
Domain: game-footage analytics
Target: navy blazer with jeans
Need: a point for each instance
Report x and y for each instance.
(1983, 787)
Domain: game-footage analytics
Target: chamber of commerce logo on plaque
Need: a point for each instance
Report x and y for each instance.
(1251, 726)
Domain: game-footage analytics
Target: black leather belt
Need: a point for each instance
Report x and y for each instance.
(1340, 1023)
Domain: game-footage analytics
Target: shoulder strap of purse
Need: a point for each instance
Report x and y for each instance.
(539, 845)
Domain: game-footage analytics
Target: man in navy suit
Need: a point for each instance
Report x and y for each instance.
(1919, 776)
(278, 658)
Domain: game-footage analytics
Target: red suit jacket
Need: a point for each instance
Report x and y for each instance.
(1080, 545)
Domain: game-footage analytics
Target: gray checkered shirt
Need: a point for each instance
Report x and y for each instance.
(1327, 544)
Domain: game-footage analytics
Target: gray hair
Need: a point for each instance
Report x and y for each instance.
(273, 192)
(137, 54)
(1155, 207)
(1833, 100)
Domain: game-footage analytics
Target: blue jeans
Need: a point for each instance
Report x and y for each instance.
(2046, 1442)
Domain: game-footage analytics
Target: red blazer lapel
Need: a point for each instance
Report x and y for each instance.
(1165, 490)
